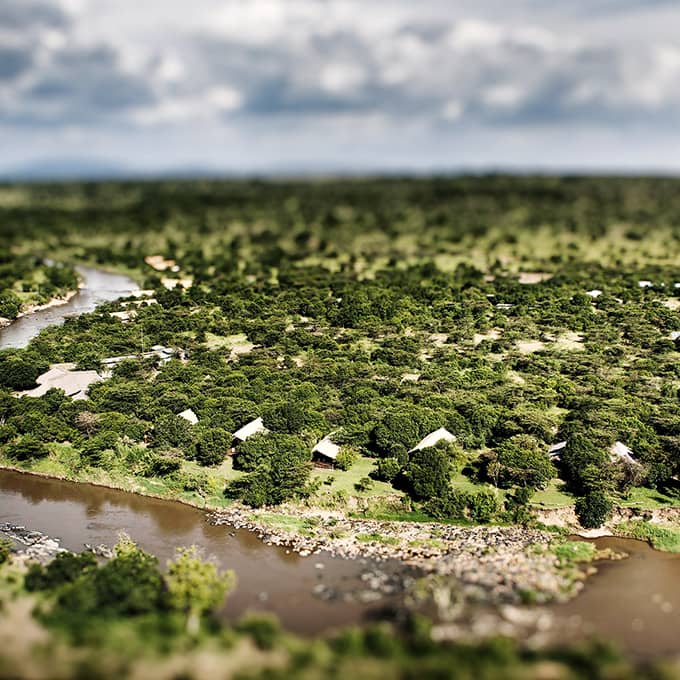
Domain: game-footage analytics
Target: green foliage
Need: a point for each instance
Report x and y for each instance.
(212, 446)
(347, 456)
(665, 538)
(196, 586)
(386, 469)
(364, 484)
(27, 448)
(18, 370)
(171, 431)
(65, 568)
(5, 550)
(521, 461)
(428, 473)
(593, 509)
(480, 506)
(279, 468)
(10, 304)
(264, 629)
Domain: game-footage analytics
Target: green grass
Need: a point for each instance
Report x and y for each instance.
(662, 538)
(344, 480)
(647, 499)
(553, 496)
(572, 552)
(377, 538)
(289, 523)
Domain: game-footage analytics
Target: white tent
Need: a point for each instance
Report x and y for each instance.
(253, 427)
(434, 438)
(327, 448)
(555, 451)
(189, 415)
(619, 451)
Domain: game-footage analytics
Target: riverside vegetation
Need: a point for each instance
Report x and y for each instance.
(76, 617)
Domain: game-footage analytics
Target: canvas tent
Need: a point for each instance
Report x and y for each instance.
(326, 450)
(434, 438)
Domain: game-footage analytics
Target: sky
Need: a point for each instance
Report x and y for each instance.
(299, 86)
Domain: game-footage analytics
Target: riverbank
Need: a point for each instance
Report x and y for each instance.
(490, 564)
(63, 299)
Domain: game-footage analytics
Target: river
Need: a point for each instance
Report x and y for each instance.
(98, 286)
(269, 577)
(634, 602)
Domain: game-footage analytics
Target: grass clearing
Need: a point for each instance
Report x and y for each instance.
(662, 538)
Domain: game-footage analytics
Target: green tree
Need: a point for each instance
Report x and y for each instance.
(27, 448)
(593, 510)
(10, 304)
(521, 461)
(212, 446)
(196, 586)
(428, 473)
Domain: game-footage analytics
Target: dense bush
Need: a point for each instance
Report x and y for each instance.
(593, 510)
(428, 473)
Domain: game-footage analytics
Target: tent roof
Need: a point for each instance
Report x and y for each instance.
(326, 447)
(249, 429)
(189, 415)
(434, 438)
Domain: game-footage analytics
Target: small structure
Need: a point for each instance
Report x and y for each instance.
(160, 264)
(434, 438)
(164, 354)
(555, 451)
(124, 316)
(595, 293)
(619, 451)
(63, 377)
(675, 335)
(645, 284)
(189, 416)
(326, 451)
(248, 430)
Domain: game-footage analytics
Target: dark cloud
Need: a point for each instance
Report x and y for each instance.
(13, 62)
(25, 15)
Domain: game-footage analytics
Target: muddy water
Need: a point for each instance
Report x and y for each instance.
(269, 578)
(633, 602)
(99, 287)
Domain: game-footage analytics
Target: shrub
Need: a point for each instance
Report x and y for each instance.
(521, 461)
(5, 550)
(428, 474)
(160, 466)
(346, 458)
(483, 506)
(364, 484)
(593, 510)
(66, 567)
(27, 448)
(212, 446)
(386, 470)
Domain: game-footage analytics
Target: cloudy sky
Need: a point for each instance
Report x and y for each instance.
(304, 85)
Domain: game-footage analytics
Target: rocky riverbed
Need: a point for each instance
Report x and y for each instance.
(496, 565)
(39, 547)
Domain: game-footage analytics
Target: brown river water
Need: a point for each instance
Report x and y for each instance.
(633, 602)
(269, 577)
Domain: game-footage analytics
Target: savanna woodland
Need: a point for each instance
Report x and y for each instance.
(533, 320)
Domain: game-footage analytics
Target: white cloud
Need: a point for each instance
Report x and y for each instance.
(306, 65)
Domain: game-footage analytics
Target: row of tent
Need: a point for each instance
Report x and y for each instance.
(617, 451)
(326, 448)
